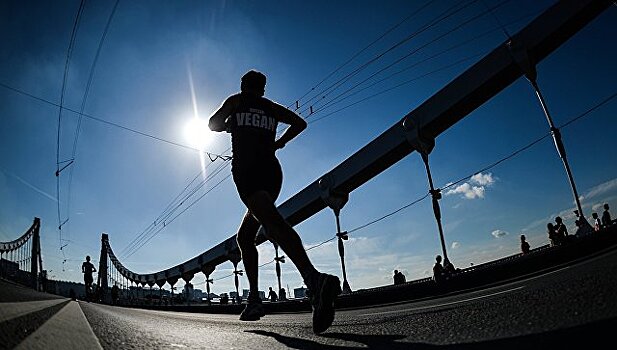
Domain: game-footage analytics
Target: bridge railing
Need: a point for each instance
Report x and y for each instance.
(20, 259)
(416, 131)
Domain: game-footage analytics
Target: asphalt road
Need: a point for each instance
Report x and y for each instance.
(570, 307)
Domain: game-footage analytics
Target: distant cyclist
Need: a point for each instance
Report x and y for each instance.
(87, 269)
(252, 121)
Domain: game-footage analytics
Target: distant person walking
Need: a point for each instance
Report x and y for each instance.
(606, 217)
(524, 245)
(439, 273)
(561, 229)
(87, 269)
(552, 234)
(582, 227)
(114, 294)
(597, 224)
(399, 278)
(272, 295)
(252, 121)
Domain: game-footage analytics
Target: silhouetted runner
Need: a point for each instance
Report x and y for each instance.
(252, 121)
(87, 269)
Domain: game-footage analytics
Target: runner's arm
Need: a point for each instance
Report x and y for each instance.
(217, 120)
(296, 125)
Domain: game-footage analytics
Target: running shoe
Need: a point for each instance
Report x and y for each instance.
(253, 311)
(322, 298)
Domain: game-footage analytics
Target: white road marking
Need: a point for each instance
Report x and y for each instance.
(9, 311)
(442, 304)
(67, 329)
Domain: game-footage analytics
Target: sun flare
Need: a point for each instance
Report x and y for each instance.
(197, 133)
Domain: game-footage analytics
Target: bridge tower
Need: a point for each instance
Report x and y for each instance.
(101, 280)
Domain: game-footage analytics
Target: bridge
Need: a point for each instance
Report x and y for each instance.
(359, 323)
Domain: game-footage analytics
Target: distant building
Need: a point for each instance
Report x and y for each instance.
(245, 294)
(188, 292)
(300, 293)
(198, 294)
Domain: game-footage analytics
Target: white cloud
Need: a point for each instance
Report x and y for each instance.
(602, 189)
(468, 191)
(455, 245)
(499, 233)
(483, 179)
(475, 188)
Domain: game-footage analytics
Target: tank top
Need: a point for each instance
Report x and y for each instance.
(253, 131)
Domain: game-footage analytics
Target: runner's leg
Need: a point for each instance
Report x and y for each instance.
(246, 242)
(262, 206)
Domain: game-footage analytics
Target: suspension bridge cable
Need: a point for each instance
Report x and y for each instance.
(494, 164)
(452, 10)
(533, 143)
(451, 48)
(388, 31)
(434, 40)
(394, 87)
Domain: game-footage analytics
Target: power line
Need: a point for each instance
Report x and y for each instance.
(62, 91)
(452, 30)
(138, 241)
(446, 14)
(213, 156)
(83, 103)
(391, 29)
(132, 251)
(451, 48)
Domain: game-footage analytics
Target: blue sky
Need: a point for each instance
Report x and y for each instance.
(121, 181)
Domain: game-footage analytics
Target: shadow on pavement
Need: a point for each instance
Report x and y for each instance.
(591, 334)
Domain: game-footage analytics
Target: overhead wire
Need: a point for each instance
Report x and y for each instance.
(163, 220)
(101, 120)
(69, 53)
(83, 103)
(409, 54)
(388, 31)
(451, 48)
(446, 14)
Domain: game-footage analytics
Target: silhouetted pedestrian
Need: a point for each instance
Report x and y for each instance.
(282, 294)
(439, 274)
(597, 224)
(252, 121)
(87, 269)
(448, 267)
(606, 217)
(272, 295)
(552, 234)
(114, 294)
(524, 245)
(561, 229)
(582, 228)
(398, 277)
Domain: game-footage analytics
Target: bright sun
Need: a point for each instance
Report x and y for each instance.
(197, 133)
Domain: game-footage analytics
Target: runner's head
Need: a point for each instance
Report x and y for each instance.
(87, 257)
(253, 81)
